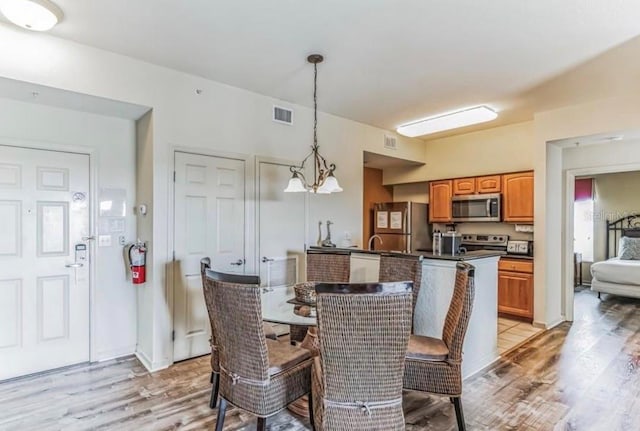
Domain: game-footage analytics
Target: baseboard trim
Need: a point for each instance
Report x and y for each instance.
(151, 366)
(483, 369)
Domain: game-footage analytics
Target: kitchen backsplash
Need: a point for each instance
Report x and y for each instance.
(488, 228)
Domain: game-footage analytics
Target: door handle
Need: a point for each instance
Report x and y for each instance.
(238, 262)
(74, 265)
(89, 238)
(265, 259)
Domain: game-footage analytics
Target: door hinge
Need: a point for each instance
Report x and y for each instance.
(174, 176)
(173, 335)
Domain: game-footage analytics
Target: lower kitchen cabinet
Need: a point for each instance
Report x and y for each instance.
(515, 288)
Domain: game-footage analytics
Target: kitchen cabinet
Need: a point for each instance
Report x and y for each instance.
(515, 288)
(464, 186)
(365, 268)
(440, 193)
(517, 197)
(489, 184)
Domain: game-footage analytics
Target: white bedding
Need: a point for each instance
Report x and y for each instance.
(617, 271)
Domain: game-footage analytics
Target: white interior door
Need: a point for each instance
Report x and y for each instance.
(44, 291)
(281, 225)
(209, 221)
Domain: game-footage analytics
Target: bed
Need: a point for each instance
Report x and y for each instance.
(614, 275)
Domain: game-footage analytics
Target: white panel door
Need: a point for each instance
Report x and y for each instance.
(209, 221)
(44, 292)
(281, 224)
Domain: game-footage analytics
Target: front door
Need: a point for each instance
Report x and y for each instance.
(209, 221)
(44, 289)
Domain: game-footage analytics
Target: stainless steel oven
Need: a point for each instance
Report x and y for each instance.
(474, 208)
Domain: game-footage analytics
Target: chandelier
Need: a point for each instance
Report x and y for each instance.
(323, 179)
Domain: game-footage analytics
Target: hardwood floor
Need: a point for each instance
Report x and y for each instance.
(575, 377)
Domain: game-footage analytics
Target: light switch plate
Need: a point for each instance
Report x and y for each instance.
(104, 240)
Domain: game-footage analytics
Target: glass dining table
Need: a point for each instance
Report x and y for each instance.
(279, 306)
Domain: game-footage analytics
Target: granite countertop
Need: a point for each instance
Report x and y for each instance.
(480, 254)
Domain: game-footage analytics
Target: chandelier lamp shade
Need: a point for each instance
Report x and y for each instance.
(323, 181)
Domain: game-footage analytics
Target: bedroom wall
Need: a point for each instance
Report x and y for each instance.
(616, 195)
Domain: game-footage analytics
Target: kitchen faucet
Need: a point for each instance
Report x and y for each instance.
(371, 240)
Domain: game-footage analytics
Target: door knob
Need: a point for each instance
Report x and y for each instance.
(238, 262)
(74, 265)
(265, 259)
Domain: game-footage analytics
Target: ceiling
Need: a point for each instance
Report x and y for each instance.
(386, 62)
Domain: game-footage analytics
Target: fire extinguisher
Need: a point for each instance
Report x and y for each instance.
(137, 261)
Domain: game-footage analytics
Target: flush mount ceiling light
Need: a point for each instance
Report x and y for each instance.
(37, 15)
(466, 117)
(323, 179)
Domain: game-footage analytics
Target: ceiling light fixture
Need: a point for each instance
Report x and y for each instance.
(37, 15)
(323, 179)
(466, 117)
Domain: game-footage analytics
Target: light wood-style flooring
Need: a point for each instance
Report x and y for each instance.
(580, 376)
(513, 333)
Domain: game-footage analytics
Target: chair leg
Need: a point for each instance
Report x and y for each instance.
(451, 399)
(215, 379)
(599, 293)
(211, 377)
(311, 418)
(459, 416)
(221, 411)
(262, 424)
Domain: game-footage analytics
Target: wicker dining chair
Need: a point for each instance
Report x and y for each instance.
(363, 332)
(435, 365)
(402, 268)
(205, 264)
(334, 267)
(257, 374)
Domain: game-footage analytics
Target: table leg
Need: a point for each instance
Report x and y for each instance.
(300, 407)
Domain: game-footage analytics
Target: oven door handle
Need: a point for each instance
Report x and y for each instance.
(488, 207)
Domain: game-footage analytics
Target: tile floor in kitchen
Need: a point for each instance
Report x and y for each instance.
(513, 333)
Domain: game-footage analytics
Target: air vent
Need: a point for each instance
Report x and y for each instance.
(390, 142)
(282, 115)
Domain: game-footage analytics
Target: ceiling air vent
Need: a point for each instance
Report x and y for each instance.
(282, 115)
(390, 142)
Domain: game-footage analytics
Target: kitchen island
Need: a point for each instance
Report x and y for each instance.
(437, 282)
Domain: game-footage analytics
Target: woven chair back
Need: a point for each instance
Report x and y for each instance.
(405, 268)
(363, 331)
(328, 268)
(457, 320)
(236, 314)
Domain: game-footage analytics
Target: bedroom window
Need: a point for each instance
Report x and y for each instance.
(583, 215)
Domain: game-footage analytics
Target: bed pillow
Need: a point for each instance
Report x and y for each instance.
(629, 248)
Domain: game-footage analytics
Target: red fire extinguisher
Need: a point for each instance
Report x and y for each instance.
(137, 261)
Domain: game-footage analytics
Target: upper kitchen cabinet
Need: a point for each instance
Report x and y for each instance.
(517, 197)
(464, 186)
(488, 184)
(440, 193)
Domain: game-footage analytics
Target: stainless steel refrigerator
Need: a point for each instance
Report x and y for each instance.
(403, 226)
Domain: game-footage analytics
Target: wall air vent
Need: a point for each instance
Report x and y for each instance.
(282, 115)
(390, 142)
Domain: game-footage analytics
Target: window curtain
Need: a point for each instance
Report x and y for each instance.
(584, 189)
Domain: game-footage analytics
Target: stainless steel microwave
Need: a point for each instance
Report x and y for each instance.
(475, 208)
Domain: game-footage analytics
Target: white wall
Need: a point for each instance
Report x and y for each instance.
(222, 119)
(114, 141)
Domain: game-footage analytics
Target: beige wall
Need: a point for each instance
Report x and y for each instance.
(413, 192)
(616, 195)
(502, 149)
